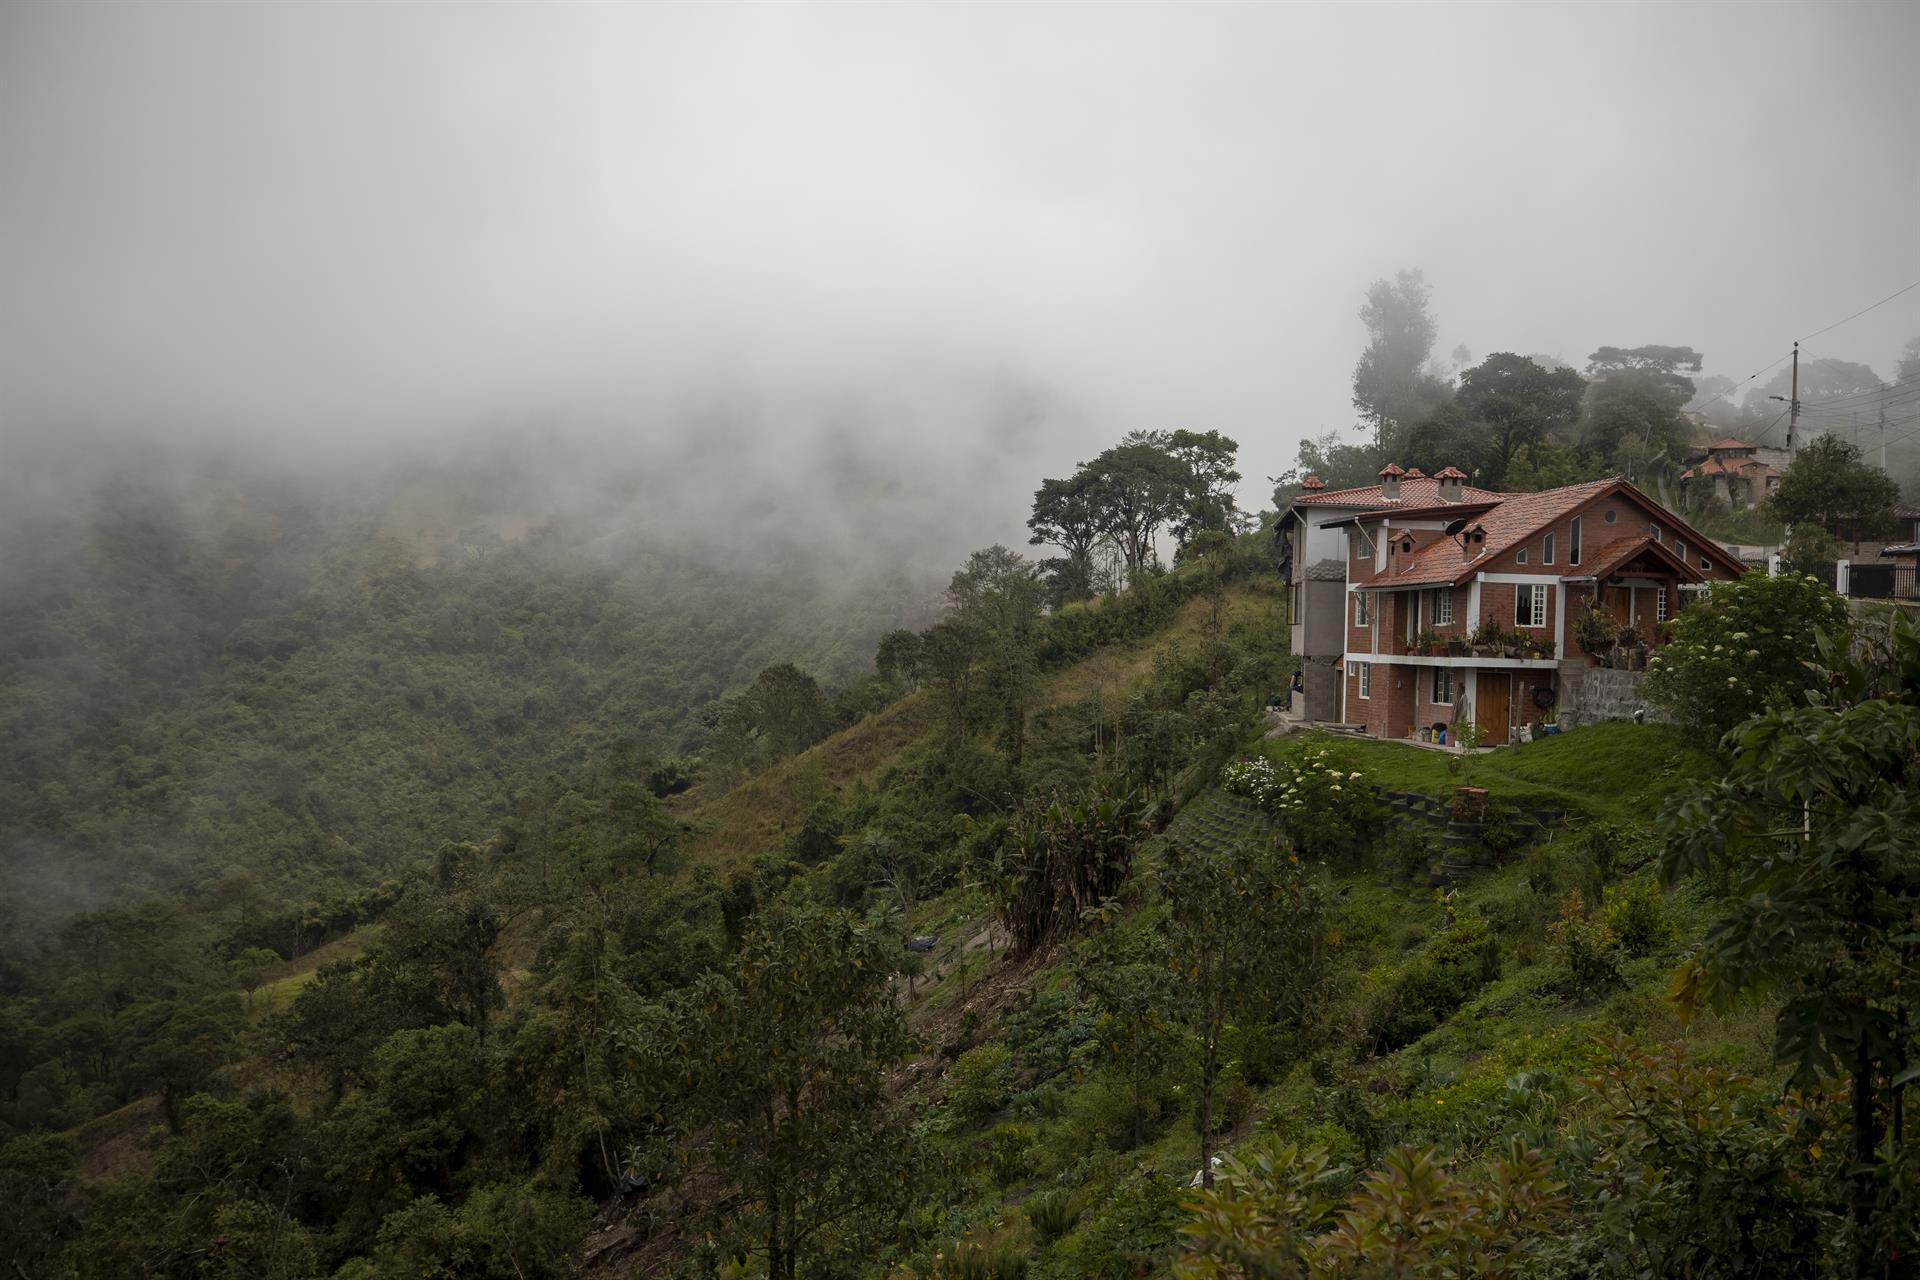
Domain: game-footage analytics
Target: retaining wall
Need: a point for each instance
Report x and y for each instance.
(1607, 694)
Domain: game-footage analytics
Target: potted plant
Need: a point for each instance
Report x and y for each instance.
(1549, 723)
(1456, 646)
(1485, 640)
(1597, 633)
(1430, 643)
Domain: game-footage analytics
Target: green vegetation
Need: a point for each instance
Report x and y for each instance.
(971, 967)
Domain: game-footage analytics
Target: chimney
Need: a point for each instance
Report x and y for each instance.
(1390, 482)
(1313, 482)
(1415, 473)
(1450, 480)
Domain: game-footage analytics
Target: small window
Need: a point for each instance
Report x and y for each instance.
(1360, 610)
(1660, 604)
(1520, 557)
(1573, 541)
(1366, 680)
(1546, 550)
(1680, 549)
(1530, 605)
(1705, 563)
(1609, 515)
(1653, 531)
(1441, 607)
(1443, 686)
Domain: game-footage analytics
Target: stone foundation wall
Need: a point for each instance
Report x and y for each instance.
(1606, 694)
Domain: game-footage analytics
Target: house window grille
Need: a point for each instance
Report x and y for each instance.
(1530, 605)
(1441, 608)
(1443, 686)
(1366, 680)
(1660, 604)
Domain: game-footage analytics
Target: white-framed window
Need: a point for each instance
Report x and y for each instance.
(1520, 556)
(1530, 604)
(1653, 531)
(1360, 618)
(1573, 541)
(1705, 563)
(1659, 604)
(1366, 680)
(1680, 549)
(1440, 607)
(1443, 686)
(1546, 550)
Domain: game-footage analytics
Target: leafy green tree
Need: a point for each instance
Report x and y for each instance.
(1059, 861)
(1069, 514)
(1658, 372)
(1244, 929)
(1830, 485)
(1209, 459)
(997, 596)
(1139, 487)
(1819, 380)
(900, 659)
(1908, 369)
(1743, 647)
(779, 1064)
(1339, 465)
(1813, 841)
(1126, 976)
(1392, 386)
(251, 967)
(1548, 464)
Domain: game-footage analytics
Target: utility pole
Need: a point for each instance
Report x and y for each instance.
(1793, 403)
(1883, 427)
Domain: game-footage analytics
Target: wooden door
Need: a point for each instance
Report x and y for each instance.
(1496, 702)
(1619, 603)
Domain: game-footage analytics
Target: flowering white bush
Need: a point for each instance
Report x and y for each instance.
(1323, 809)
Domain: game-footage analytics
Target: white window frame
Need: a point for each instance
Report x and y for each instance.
(1653, 531)
(1362, 616)
(1546, 549)
(1366, 681)
(1439, 674)
(1680, 549)
(1534, 596)
(1659, 604)
(1440, 608)
(1520, 556)
(1573, 541)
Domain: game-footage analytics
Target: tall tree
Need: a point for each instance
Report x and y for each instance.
(1813, 837)
(1829, 484)
(1338, 464)
(996, 595)
(1068, 514)
(1654, 370)
(1505, 404)
(777, 1069)
(1208, 457)
(1139, 487)
(1392, 387)
(1908, 369)
(1243, 931)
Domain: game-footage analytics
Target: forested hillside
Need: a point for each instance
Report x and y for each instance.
(317, 684)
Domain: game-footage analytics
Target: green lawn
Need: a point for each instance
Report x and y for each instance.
(1617, 770)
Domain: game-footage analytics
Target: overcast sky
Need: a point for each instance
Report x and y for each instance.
(353, 222)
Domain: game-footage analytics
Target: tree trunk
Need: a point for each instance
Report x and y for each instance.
(1208, 1068)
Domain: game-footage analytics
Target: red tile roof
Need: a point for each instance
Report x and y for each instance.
(1517, 518)
(1730, 443)
(1422, 491)
(1723, 466)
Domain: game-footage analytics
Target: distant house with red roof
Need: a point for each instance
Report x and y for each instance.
(1740, 474)
(1430, 569)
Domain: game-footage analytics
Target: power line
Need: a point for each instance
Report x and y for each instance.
(1862, 311)
(1884, 390)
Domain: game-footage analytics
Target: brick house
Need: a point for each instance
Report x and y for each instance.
(1738, 473)
(1311, 545)
(1434, 567)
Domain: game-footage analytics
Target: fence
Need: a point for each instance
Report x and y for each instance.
(1882, 580)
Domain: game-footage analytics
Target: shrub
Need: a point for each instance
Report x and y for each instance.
(1497, 832)
(1748, 644)
(1459, 961)
(1325, 811)
(977, 1081)
(1053, 1213)
(971, 1261)
(1585, 945)
(1009, 1152)
(1636, 915)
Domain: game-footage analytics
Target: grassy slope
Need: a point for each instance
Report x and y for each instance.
(1450, 1087)
(1616, 771)
(757, 813)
